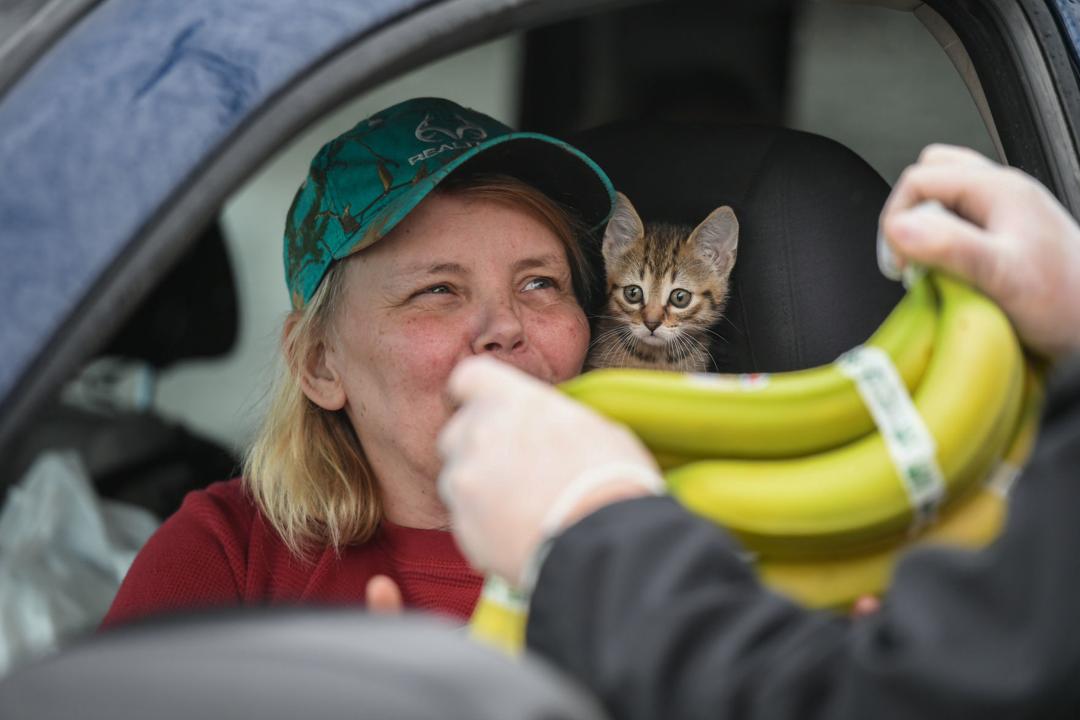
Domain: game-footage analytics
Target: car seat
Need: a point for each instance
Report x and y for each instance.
(135, 455)
(806, 286)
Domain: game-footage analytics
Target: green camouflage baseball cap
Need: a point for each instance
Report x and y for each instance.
(365, 181)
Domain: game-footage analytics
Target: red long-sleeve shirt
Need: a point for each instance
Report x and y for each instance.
(218, 550)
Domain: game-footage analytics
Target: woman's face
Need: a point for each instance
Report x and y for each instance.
(457, 277)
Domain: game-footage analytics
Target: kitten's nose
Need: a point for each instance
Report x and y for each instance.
(652, 324)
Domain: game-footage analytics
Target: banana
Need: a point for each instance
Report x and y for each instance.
(973, 523)
(842, 502)
(684, 416)
(837, 583)
(1023, 442)
(852, 497)
(828, 584)
(499, 618)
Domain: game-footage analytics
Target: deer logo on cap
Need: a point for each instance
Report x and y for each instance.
(427, 132)
(463, 137)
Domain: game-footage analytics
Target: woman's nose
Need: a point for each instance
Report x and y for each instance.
(501, 330)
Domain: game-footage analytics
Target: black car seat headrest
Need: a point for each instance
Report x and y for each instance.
(192, 313)
(806, 285)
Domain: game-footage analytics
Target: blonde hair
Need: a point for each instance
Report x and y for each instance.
(306, 469)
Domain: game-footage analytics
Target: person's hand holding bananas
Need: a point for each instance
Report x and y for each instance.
(522, 461)
(1003, 232)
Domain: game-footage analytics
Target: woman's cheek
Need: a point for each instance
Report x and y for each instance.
(565, 341)
(430, 350)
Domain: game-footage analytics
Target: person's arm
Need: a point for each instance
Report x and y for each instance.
(195, 560)
(652, 608)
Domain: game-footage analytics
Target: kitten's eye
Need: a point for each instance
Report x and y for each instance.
(680, 298)
(632, 293)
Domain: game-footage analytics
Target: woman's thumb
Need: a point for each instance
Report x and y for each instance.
(383, 596)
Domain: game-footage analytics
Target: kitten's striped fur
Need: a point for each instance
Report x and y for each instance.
(664, 262)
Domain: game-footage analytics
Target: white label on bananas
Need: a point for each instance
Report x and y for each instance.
(910, 444)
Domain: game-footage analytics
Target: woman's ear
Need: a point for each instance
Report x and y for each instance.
(320, 379)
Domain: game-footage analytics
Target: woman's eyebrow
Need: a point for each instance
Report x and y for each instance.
(437, 268)
(539, 261)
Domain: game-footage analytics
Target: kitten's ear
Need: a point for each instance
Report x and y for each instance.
(623, 230)
(717, 238)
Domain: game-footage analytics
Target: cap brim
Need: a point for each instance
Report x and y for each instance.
(559, 170)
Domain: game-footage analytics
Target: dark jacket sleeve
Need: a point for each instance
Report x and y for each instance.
(653, 609)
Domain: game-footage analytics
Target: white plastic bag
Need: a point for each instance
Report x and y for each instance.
(63, 553)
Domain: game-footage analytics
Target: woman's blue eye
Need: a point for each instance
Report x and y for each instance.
(539, 283)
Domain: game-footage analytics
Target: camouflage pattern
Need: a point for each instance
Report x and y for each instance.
(363, 182)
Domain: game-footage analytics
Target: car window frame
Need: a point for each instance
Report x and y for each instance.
(1024, 103)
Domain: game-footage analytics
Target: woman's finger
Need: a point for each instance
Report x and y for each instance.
(383, 596)
(865, 605)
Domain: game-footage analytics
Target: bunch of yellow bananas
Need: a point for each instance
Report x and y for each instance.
(795, 465)
(971, 522)
(813, 477)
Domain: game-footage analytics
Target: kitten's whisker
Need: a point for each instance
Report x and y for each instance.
(613, 350)
(715, 334)
(703, 348)
(698, 341)
(602, 337)
(726, 319)
(629, 342)
(620, 336)
(677, 348)
(693, 347)
(612, 332)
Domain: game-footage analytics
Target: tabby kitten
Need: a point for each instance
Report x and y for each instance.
(666, 288)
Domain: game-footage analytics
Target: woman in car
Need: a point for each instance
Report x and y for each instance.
(426, 234)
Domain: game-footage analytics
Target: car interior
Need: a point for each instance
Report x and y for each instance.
(798, 115)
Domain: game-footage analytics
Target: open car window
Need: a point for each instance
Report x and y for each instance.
(902, 94)
(876, 79)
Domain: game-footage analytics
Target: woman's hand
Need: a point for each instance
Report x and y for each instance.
(1006, 234)
(513, 450)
